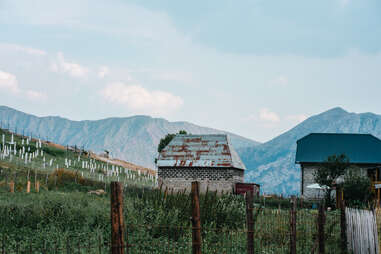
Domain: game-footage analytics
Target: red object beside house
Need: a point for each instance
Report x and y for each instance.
(242, 188)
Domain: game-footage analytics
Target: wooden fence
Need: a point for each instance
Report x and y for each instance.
(362, 231)
(315, 244)
(291, 230)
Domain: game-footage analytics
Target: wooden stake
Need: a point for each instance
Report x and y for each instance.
(196, 220)
(293, 225)
(321, 222)
(37, 186)
(117, 222)
(12, 187)
(250, 222)
(343, 228)
(28, 187)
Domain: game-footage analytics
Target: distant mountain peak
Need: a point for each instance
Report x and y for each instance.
(335, 110)
(272, 164)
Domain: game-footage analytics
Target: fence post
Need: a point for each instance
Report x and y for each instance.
(250, 222)
(343, 227)
(321, 222)
(12, 187)
(117, 222)
(37, 186)
(293, 225)
(196, 222)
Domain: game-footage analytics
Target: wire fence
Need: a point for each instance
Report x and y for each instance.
(271, 235)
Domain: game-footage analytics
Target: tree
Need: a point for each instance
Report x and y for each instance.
(328, 173)
(357, 188)
(166, 140)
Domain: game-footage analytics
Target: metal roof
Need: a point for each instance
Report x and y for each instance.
(359, 148)
(200, 151)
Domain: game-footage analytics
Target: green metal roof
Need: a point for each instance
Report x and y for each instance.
(360, 148)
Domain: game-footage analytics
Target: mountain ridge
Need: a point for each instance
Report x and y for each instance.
(272, 164)
(133, 138)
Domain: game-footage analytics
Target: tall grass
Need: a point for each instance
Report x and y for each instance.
(156, 220)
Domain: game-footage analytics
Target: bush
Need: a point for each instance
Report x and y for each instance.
(357, 189)
(71, 180)
(54, 151)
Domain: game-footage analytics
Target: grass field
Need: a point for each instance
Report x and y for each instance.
(63, 217)
(156, 222)
(43, 161)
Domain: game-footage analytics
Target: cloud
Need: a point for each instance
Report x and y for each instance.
(279, 81)
(23, 49)
(9, 82)
(297, 118)
(268, 116)
(140, 100)
(103, 71)
(72, 69)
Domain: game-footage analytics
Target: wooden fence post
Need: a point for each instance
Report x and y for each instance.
(293, 225)
(343, 227)
(196, 220)
(12, 187)
(250, 222)
(37, 186)
(28, 187)
(321, 222)
(117, 222)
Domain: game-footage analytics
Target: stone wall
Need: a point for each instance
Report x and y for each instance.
(220, 179)
(308, 179)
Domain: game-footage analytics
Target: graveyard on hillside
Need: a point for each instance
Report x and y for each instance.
(25, 158)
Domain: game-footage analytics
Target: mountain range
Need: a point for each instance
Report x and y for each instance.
(135, 139)
(272, 164)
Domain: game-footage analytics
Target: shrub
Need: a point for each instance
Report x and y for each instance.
(357, 189)
(70, 180)
(54, 151)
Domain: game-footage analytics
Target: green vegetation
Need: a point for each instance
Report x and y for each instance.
(328, 173)
(357, 189)
(53, 216)
(167, 139)
(64, 215)
(52, 157)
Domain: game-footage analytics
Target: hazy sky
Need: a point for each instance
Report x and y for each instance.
(255, 68)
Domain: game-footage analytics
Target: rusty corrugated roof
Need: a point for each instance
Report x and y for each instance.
(200, 151)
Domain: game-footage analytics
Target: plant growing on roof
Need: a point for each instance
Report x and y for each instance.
(166, 140)
(329, 171)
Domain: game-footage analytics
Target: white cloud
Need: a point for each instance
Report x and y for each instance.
(140, 100)
(103, 71)
(297, 118)
(279, 81)
(73, 69)
(9, 82)
(268, 116)
(23, 49)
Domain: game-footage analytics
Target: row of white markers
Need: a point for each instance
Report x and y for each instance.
(9, 150)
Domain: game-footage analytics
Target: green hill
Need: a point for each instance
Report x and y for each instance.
(23, 158)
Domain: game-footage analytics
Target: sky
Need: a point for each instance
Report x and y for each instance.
(253, 67)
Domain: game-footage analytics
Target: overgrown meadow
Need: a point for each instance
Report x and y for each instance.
(157, 221)
(64, 218)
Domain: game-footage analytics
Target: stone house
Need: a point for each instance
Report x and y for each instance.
(209, 159)
(363, 151)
